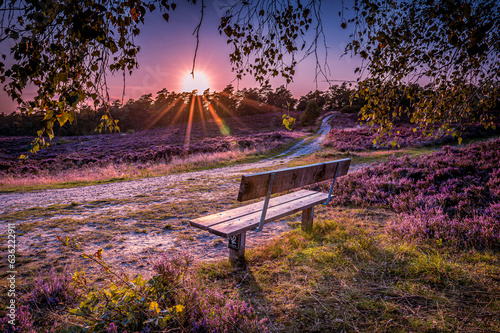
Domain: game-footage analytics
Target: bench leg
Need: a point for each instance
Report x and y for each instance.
(307, 219)
(237, 247)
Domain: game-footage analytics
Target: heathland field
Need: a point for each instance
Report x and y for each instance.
(410, 242)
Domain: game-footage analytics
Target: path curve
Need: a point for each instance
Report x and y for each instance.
(312, 144)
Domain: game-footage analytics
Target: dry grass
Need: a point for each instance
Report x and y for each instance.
(349, 275)
(123, 171)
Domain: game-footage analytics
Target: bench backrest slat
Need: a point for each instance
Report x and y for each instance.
(255, 185)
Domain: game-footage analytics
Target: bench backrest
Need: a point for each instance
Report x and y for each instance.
(255, 185)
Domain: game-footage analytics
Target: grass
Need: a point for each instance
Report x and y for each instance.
(130, 171)
(347, 276)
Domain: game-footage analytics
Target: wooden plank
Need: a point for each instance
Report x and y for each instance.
(210, 220)
(255, 185)
(251, 221)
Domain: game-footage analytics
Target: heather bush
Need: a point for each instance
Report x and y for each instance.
(348, 135)
(218, 314)
(52, 292)
(479, 230)
(450, 195)
(167, 301)
(24, 322)
(141, 148)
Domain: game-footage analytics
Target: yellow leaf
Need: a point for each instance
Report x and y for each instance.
(179, 308)
(154, 307)
(98, 254)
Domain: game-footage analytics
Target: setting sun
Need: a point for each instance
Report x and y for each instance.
(200, 82)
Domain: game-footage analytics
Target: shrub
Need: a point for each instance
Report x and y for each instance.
(310, 114)
(23, 322)
(450, 195)
(479, 230)
(51, 292)
(165, 302)
(354, 108)
(218, 314)
(348, 134)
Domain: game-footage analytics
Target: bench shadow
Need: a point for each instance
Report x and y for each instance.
(245, 281)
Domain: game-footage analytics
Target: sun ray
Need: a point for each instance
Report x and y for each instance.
(264, 106)
(189, 126)
(225, 107)
(202, 115)
(178, 113)
(223, 128)
(154, 118)
(231, 112)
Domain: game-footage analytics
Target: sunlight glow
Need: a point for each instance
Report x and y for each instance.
(200, 82)
(223, 128)
(187, 138)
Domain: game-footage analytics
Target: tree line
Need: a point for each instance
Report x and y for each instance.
(170, 108)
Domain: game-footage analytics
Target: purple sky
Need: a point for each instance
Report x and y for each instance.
(167, 50)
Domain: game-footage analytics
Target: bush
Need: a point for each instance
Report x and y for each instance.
(23, 322)
(51, 292)
(165, 302)
(451, 195)
(311, 113)
(354, 108)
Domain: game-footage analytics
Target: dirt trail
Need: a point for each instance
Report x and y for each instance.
(161, 185)
(135, 220)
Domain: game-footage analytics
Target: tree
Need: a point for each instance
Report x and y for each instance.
(311, 113)
(337, 96)
(318, 96)
(451, 46)
(281, 98)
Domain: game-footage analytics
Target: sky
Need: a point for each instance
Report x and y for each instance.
(167, 50)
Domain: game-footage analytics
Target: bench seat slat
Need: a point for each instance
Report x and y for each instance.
(251, 221)
(210, 220)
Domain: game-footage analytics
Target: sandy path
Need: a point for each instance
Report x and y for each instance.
(10, 202)
(129, 246)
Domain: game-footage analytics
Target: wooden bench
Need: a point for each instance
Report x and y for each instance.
(234, 223)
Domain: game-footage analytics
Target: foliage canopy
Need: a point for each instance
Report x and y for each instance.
(453, 47)
(66, 48)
